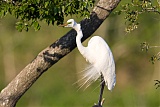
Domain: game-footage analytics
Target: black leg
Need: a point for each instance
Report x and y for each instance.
(101, 91)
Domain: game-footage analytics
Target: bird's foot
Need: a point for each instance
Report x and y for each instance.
(99, 105)
(157, 83)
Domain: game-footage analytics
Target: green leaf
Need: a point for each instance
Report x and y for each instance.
(36, 26)
(19, 26)
(46, 4)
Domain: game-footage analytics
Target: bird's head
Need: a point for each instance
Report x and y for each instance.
(70, 23)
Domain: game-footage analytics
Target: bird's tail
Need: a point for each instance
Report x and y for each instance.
(88, 76)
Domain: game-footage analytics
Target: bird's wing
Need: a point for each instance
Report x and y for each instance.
(103, 60)
(108, 72)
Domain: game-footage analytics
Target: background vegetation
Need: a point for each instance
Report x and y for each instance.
(135, 72)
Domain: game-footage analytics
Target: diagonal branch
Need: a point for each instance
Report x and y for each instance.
(10, 95)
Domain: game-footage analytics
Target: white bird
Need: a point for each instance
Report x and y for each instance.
(100, 57)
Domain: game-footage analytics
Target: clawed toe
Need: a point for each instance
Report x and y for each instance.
(99, 105)
(157, 83)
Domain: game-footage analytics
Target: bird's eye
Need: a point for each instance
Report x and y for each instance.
(69, 22)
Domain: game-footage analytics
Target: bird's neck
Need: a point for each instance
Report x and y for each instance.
(77, 27)
(79, 36)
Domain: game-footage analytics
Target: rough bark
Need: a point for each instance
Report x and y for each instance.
(53, 53)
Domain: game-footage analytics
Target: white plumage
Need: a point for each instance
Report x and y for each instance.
(99, 55)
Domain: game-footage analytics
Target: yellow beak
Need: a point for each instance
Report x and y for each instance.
(63, 25)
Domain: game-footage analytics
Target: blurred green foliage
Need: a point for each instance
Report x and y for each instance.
(134, 9)
(135, 74)
(30, 12)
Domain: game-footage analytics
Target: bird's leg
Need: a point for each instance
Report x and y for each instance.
(100, 102)
(101, 91)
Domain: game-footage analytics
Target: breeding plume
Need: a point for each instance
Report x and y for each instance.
(100, 57)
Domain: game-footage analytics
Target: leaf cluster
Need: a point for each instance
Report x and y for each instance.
(30, 12)
(145, 46)
(135, 9)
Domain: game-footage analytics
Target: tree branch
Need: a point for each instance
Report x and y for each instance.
(10, 95)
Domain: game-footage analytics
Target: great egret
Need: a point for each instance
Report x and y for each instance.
(100, 57)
